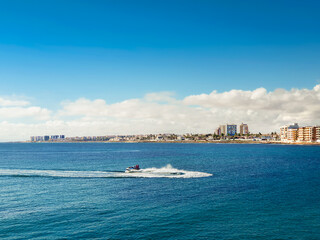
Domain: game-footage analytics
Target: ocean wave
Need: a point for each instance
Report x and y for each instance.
(164, 172)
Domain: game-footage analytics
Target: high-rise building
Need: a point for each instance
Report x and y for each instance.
(217, 131)
(244, 130)
(301, 134)
(307, 134)
(231, 129)
(227, 130)
(223, 129)
(317, 133)
(54, 137)
(293, 134)
(39, 138)
(46, 138)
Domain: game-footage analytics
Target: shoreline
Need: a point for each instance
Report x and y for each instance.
(196, 141)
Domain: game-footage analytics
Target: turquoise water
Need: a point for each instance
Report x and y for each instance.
(189, 191)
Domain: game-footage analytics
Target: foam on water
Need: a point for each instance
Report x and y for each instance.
(164, 172)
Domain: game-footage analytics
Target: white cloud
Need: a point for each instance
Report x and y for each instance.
(5, 102)
(17, 109)
(161, 112)
(165, 97)
(83, 107)
(262, 109)
(36, 113)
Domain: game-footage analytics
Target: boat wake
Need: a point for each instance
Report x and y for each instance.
(164, 172)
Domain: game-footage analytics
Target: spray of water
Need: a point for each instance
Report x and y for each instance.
(164, 172)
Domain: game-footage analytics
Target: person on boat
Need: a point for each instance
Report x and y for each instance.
(137, 167)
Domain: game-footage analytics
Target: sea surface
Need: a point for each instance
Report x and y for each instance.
(185, 191)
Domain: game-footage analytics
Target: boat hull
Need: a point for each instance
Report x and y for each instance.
(132, 171)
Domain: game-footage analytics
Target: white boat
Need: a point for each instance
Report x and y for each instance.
(134, 169)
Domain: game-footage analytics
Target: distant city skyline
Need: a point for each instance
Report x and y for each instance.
(123, 67)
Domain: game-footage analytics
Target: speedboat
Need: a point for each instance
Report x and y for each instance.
(134, 169)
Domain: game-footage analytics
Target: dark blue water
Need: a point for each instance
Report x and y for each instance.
(255, 192)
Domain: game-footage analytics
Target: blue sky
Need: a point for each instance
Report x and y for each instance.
(53, 53)
(56, 50)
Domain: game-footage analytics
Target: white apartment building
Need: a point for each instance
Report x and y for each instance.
(223, 129)
(307, 134)
(317, 133)
(292, 133)
(289, 132)
(244, 129)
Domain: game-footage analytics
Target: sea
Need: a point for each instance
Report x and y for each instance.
(184, 191)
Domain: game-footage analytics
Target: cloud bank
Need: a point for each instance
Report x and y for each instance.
(162, 112)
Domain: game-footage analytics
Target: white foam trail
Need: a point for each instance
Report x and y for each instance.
(170, 172)
(164, 172)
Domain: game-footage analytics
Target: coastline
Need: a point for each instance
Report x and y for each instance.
(186, 141)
